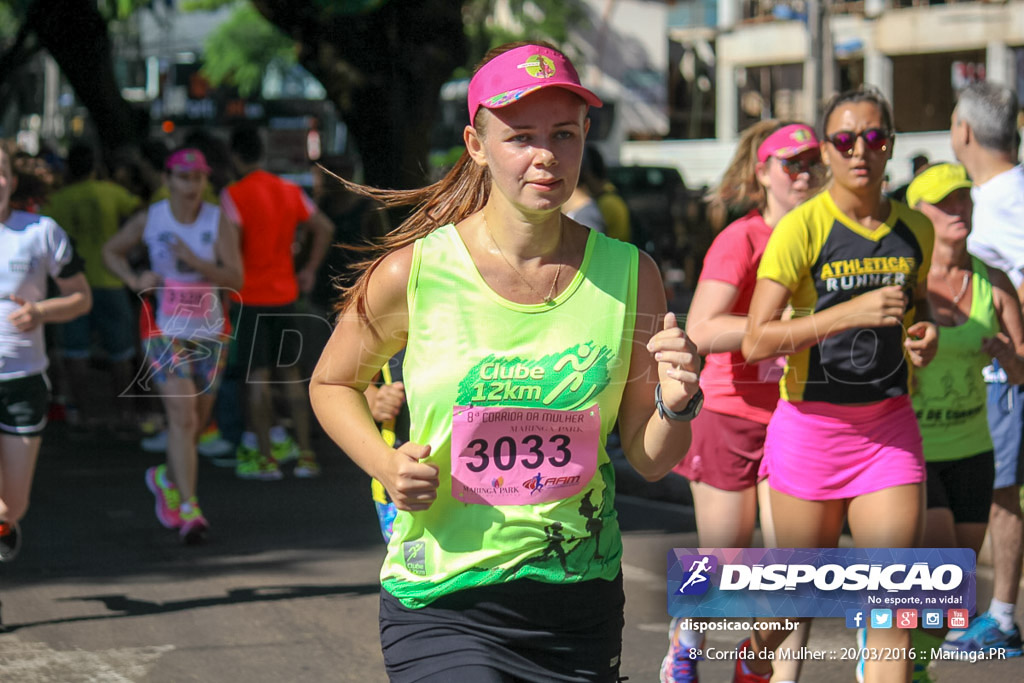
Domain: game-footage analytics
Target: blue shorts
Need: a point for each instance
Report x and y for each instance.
(112, 318)
(1006, 424)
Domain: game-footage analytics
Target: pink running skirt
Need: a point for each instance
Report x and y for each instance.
(823, 451)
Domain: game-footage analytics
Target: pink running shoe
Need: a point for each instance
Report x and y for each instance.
(168, 500)
(743, 674)
(193, 525)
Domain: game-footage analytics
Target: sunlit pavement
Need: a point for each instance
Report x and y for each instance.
(286, 587)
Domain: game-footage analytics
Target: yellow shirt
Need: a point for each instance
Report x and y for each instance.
(825, 258)
(91, 212)
(615, 212)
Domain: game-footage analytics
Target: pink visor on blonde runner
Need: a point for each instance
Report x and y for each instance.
(515, 74)
(787, 142)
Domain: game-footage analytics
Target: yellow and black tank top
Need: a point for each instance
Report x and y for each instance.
(825, 258)
(467, 346)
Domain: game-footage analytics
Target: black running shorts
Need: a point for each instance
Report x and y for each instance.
(964, 486)
(24, 405)
(519, 631)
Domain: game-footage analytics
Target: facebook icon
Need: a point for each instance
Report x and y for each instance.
(854, 618)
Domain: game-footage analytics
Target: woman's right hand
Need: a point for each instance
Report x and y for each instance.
(412, 484)
(882, 307)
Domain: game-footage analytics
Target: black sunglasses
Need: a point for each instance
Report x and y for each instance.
(794, 167)
(874, 139)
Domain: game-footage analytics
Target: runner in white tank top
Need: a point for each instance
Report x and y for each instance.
(194, 251)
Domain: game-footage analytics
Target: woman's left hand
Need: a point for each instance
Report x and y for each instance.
(678, 364)
(999, 347)
(922, 343)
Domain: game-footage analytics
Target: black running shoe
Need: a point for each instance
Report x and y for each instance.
(10, 541)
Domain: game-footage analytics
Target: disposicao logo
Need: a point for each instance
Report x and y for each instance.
(697, 579)
(818, 582)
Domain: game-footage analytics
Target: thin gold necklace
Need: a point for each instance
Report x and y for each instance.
(558, 271)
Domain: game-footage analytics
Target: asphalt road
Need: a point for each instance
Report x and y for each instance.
(285, 589)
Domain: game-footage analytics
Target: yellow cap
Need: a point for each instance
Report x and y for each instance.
(935, 182)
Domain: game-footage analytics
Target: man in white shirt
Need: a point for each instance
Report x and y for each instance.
(984, 138)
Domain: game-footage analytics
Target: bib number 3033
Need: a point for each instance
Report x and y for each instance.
(521, 456)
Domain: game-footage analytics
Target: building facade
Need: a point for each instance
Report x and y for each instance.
(734, 62)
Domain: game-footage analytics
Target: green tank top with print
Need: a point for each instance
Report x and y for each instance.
(528, 395)
(949, 397)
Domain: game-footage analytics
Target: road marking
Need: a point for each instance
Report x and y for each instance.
(35, 662)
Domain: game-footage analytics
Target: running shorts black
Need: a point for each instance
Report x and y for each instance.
(964, 486)
(24, 405)
(267, 336)
(519, 631)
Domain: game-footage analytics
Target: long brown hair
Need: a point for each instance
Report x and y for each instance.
(463, 191)
(739, 189)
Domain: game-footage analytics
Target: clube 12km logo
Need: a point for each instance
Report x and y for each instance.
(817, 582)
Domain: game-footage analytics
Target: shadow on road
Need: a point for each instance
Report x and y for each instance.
(121, 606)
(92, 516)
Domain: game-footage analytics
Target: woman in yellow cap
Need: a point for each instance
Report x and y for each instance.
(979, 318)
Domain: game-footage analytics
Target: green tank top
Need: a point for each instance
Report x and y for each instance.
(950, 394)
(470, 351)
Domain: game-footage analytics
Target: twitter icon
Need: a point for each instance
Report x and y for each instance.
(881, 618)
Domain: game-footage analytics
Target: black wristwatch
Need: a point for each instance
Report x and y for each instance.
(690, 411)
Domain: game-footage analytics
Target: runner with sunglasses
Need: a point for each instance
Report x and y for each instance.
(776, 167)
(843, 444)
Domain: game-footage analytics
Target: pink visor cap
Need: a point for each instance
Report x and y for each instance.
(187, 160)
(515, 74)
(787, 142)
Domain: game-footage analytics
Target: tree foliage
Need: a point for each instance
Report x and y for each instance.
(382, 62)
(531, 20)
(241, 49)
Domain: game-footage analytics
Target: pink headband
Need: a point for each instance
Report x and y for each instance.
(515, 74)
(787, 142)
(187, 160)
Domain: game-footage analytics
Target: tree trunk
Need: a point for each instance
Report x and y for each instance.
(384, 71)
(75, 34)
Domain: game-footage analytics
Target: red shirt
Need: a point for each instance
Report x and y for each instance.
(268, 210)
(730, 385)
